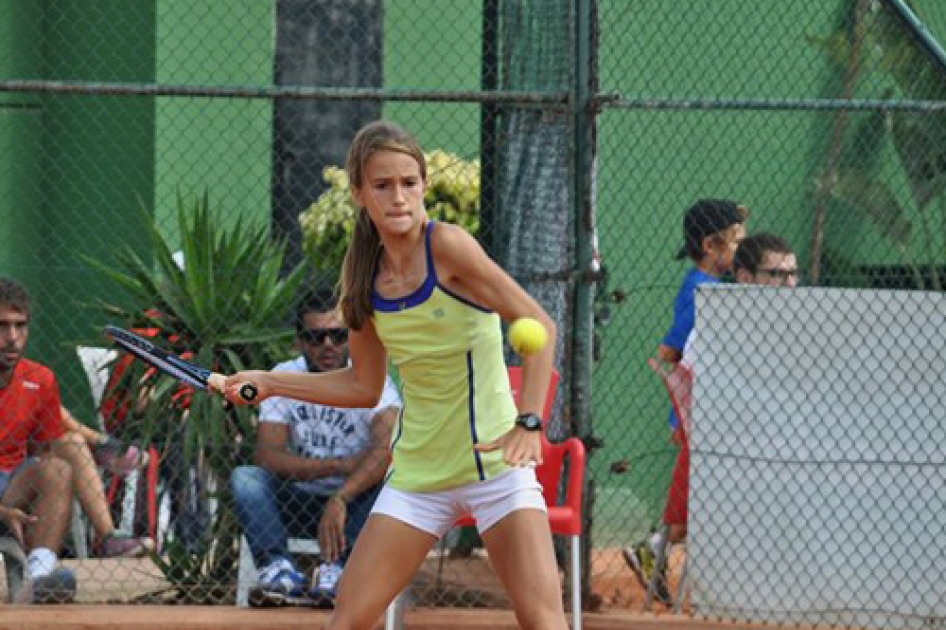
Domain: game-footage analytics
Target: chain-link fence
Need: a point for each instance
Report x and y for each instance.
(175, 167)
(825, 120)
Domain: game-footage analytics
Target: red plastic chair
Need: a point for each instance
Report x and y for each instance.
(564, 518)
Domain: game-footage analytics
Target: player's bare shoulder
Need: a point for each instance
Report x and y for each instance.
(464, 268)
(457, 255)
(453, 245)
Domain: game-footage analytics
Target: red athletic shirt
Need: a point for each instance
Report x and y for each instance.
(29, 408)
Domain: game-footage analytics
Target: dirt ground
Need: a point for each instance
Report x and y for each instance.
(465, 590)
(103, 617)
(470, 581)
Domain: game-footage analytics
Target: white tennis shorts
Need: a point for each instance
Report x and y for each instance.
(487, 501)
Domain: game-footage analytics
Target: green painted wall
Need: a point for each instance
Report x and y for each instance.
(435, 45)
(219, 146)
(87, 162)
(20, 141)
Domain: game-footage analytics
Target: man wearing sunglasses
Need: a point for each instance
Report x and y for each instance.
(317, 469)
(765, 259)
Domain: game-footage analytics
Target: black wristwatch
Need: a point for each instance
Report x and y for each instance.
(529, 422)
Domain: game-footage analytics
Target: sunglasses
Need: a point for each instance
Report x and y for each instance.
(781, 274)
(319, 335)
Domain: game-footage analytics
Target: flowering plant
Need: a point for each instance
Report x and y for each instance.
(453, 196)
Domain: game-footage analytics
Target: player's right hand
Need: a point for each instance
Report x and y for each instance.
(246, 387)
(520, 447)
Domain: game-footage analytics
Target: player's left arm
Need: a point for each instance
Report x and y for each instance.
(464, 268)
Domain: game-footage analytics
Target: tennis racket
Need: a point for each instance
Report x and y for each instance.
(184, 371)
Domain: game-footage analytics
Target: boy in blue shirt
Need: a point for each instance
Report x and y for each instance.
(712, 231)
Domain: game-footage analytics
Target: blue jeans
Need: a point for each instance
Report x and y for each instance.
(6, 476)
(272, 509)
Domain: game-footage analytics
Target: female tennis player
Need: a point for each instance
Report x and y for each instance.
(428, 296)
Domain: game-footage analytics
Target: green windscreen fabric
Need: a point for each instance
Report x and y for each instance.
(534, 180)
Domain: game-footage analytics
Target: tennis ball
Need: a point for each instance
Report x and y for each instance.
(527, 336)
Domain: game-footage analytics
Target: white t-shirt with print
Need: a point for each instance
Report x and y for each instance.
(323, 432)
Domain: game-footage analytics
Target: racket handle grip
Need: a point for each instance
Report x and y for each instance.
(248, 392)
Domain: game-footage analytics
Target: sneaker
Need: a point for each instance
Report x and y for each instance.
(641, 561)
(57, 587)
(119, 458)
(325, 583)
(124, 546)
(661, 590)
(279, 584)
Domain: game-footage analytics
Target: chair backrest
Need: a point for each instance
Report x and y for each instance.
(96, 363)
(549, 473)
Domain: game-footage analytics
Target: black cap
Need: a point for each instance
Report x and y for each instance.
(705, 218)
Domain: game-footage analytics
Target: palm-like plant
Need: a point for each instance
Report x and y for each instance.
(227, 308)
(872, 48)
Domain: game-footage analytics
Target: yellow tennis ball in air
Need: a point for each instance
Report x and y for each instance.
(527, 336)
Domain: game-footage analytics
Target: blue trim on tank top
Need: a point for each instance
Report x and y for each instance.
(424, 291)
(398, 432)
(471, 403)
(463, 300)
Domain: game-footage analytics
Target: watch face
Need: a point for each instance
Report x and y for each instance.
(529, 421)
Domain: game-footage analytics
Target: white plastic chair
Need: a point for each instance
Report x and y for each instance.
(95, 362)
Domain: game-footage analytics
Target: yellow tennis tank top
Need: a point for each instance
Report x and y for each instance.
(455, 387)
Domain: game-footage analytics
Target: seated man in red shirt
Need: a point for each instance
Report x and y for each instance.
(35, 494)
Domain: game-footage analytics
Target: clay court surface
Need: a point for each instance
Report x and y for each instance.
(616, 596)
(85, 617)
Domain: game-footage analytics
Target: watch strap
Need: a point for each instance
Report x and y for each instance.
(529, 422)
